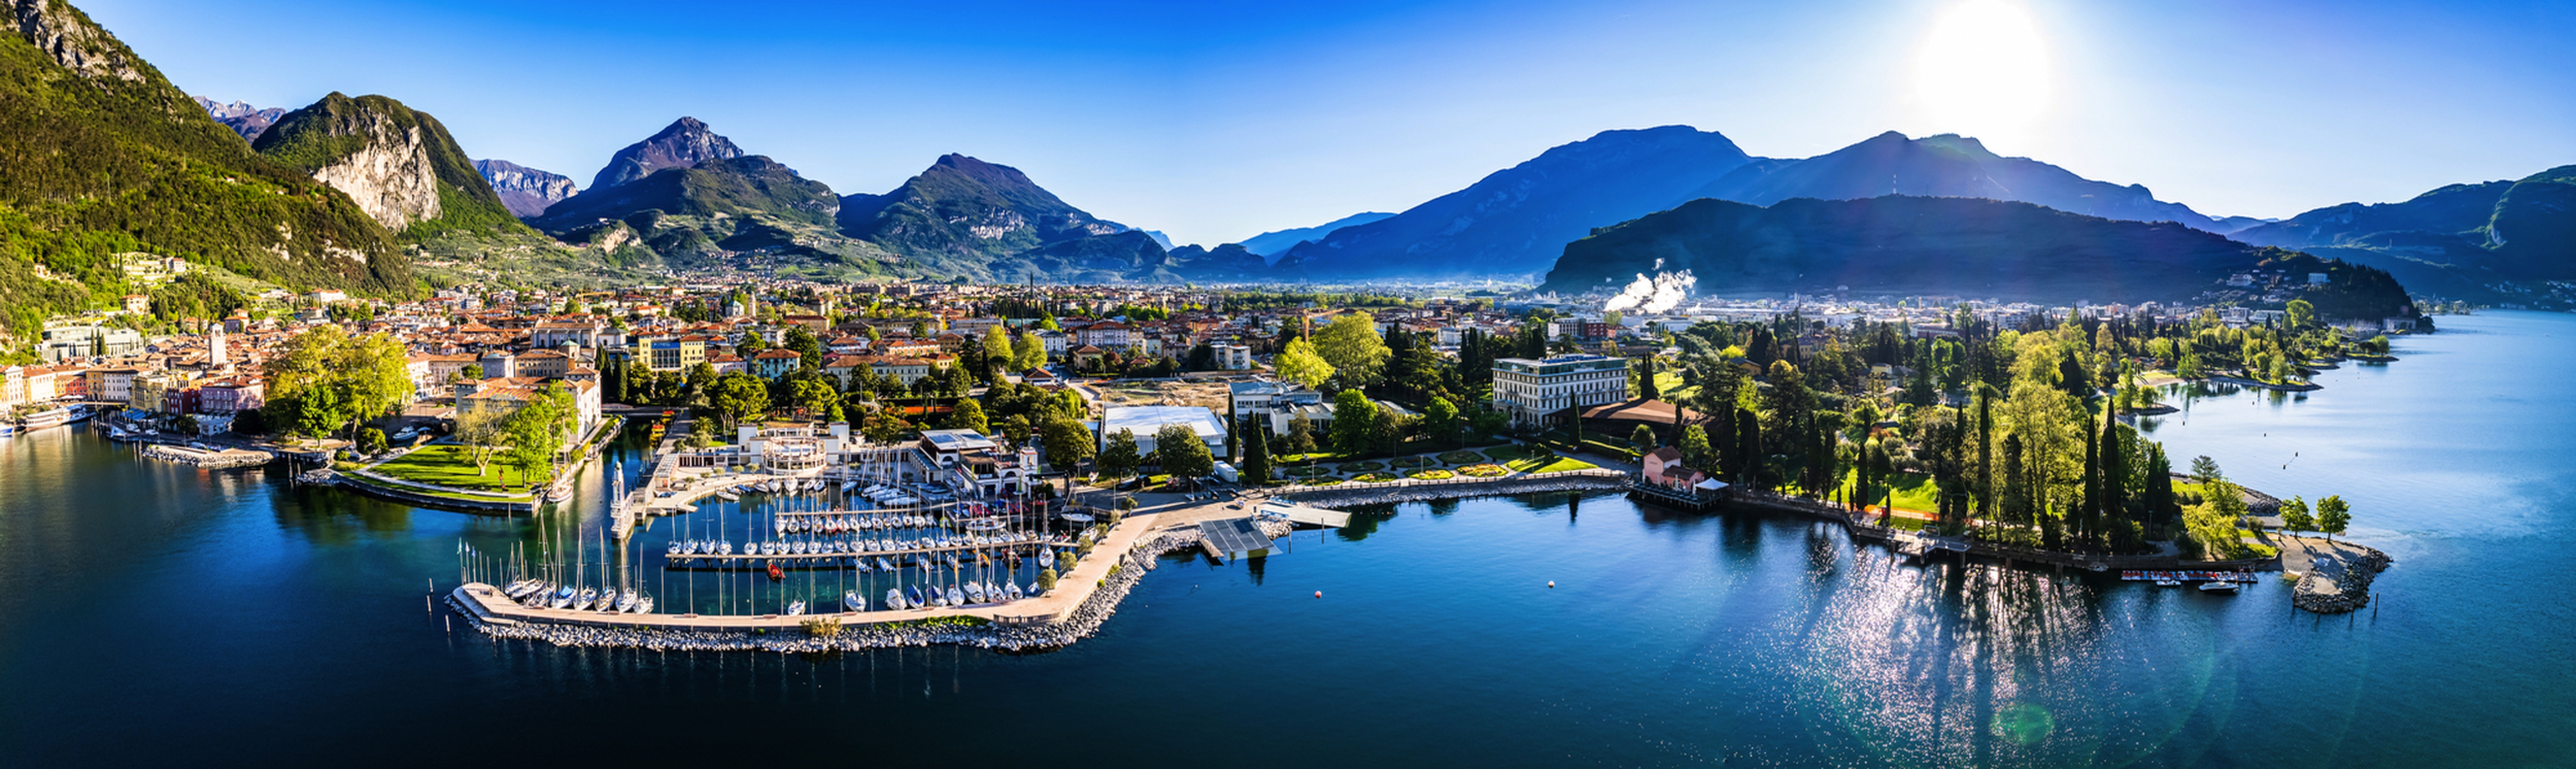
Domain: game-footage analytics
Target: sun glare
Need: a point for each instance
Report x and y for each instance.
(1983, 71)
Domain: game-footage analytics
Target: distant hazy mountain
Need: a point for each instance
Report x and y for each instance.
(243, 118)
(685, 143)
(1955, 246)
(2453, 241)
(961, 214)
(1277, 242)
(399, 165)
(1226, 263)
(98, 151)
(2230, 225)
(1517, 220)
(1160, 239)
(525, 191)
(1947, 165)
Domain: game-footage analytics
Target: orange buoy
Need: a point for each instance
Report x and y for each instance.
(1551, 583)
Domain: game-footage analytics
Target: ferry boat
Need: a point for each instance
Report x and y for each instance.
(53, 417)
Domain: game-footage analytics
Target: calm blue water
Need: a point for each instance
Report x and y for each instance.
(155, 613)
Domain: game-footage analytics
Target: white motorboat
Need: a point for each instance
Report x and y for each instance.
(2218, 586)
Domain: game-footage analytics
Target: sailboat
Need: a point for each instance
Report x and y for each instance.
(913, 595)
(956, 598)
(1012, 589)
(895, 601)
(644, 605)
(795, 608)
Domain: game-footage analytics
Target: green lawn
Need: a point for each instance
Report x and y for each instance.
(1913, 492)
(446, 465)
(1511, 452)
(1548, 465)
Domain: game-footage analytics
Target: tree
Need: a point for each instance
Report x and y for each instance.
(1067, 442)
(998, 352)
(1441, 419)
(370, 441)
(1643, 438)
(1120, 458)
(2333, 514)
(1352, 345)
(1646, 387)
(2295, 517)
(1354, 423)
(472, 372)
(1183, 454)
(479, 432)
(954, 381)
(969, 415)
(1029, 353)
(1301, 436)
(2299, 315)
(739, 397)
(2204, 469)
(1694, 447)
(809, 350)
(1300, 363)
(1256, 451)
(815, 397)
(326, 381)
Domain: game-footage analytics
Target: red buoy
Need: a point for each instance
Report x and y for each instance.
(1319, 594)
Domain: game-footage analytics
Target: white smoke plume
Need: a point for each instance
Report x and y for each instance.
(1662, 292)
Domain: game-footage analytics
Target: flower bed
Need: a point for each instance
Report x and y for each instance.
(1375, 478)
(1408, 463)
(1462, 457)
(1359, 467)
(1484, 470)
(1305, 472)
(1320, 482)
(1432, 475)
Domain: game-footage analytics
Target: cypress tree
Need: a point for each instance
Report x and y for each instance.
(2114, 483)
(1749, 444)
(2087, 523)
(1256, 452)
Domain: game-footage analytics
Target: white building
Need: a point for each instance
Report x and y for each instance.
(1146, 421)
(1530, 390)
(1232, 357)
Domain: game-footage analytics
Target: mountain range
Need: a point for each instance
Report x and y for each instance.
(1276, 242)
(527, 192)
(2457, 241)
(1518, 220)
(1971, 247)
(240, 116)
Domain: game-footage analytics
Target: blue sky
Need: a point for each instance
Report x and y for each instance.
(1216, 121)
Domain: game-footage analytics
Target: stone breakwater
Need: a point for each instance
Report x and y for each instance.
(1428, 492)
(1059, 632)
(2339, 595)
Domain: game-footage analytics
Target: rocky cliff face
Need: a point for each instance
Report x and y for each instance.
(386, 172)
(68, 36)
(526, 191)
(240, 116)
(389, 179)
(684, 144)
(398, 164)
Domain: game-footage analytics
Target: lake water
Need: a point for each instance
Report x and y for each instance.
(150, 612)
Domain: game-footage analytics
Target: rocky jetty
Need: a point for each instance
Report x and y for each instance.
(2345, 588)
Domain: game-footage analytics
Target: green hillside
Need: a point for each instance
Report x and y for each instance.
(103, 155)
(1900, 245)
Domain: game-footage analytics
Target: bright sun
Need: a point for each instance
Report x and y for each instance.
(1983, 71)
